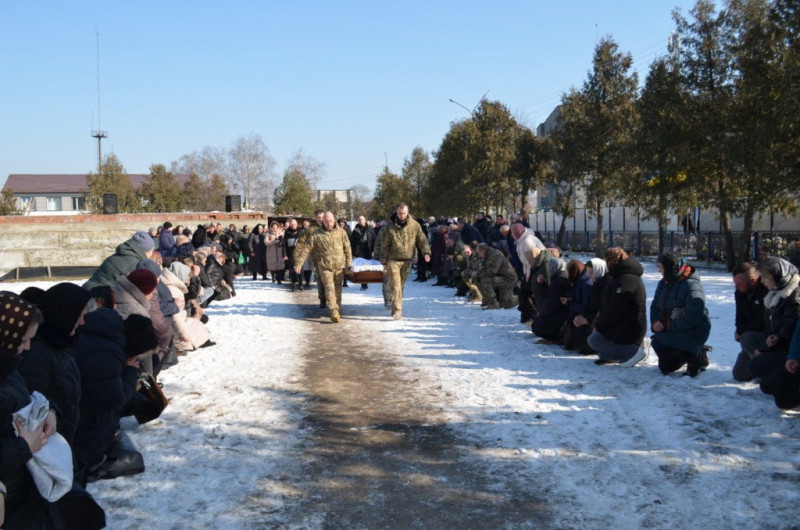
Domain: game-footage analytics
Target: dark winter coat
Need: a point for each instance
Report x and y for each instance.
(216, 275)
(49, 367)
(14, 451)
(107, 383)
(166, 243)
(539, 268)
(680, 304)
(553, 314)
(122, 262)
(623, 312)
(258, 254)
(582, 295)
(362, 241)
(750, 308)
(595, 299)
(781, 310)
(469, 234)
(199, 237)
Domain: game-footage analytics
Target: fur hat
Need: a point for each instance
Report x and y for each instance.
(144, 240)
(145, 280)
(140, 336)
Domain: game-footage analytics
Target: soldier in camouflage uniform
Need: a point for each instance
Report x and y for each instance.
(399, 238)
(473, 265)
(386, 286)
(498, 274)
(329, 248)
(302, 241)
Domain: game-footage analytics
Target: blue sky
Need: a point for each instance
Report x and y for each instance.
(351, 83)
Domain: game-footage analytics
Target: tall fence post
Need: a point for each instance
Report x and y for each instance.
(639, 243)
(708, 246)
(756, 244)
(672, 241)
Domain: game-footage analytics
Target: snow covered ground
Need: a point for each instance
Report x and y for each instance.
(603, 446)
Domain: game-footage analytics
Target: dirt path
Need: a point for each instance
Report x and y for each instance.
(379, 453)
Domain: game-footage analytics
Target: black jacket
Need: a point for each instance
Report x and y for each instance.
(623, 312)
(49, 367)
(750, 309)
(362, 241)
(14, 451)
(553, 314)
(107, 383)
(215, 276)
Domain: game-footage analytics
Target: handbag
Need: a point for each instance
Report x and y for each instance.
(149, 400)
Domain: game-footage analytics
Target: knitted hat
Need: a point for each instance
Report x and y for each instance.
(143, 279)
(140, 336)
(15, 316)
(144, 240)
(62, 305)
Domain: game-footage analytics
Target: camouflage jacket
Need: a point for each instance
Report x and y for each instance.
(398, 242)
(305, 235)
(329, 249)
(496, 264)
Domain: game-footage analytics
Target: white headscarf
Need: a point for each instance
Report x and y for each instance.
(599, 267)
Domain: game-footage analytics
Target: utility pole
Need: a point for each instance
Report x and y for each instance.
(99, 133)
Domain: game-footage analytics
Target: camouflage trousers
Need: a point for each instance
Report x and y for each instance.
(497, 289)
(331, 281)
(397, 272)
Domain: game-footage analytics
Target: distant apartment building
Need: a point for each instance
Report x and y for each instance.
(60, 194)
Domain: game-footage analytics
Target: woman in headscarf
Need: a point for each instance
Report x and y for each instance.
(24, 506)
(49, 366)
(553, 314)
(578, 323)
(273, 243)
(767, 350)
(679, 318)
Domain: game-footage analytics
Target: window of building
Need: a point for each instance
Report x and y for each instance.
(79, 203)
(53, 204)
(27, 204)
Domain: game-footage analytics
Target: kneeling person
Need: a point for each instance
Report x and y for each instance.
(496, 279)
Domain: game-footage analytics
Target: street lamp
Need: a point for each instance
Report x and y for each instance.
(460, 105)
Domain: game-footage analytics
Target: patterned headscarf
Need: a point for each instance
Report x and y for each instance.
(15, 316)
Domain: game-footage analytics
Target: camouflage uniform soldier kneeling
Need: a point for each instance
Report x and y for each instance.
(496, 279)
(473, 265)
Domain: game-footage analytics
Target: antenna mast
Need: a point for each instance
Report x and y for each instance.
(99, 133)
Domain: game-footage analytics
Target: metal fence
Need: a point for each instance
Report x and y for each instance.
(708, 246)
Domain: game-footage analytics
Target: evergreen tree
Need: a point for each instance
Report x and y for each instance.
(112, 179)
(390, 191)
(8, 203)
(161, 192)
(294, 194)
(215, 191)
(193, 192)
(417, 172)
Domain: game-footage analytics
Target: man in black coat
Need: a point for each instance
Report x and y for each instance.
(469, 233)
(362, 241)
(749, 297)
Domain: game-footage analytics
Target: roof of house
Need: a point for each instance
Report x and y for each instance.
(67, 183)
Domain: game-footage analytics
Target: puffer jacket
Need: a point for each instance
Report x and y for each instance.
(122, 262)
(107, 383)
(398, 241)
(681, 303)
(329, 249)
(623, 312)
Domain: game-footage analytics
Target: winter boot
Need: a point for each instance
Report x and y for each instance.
(699, 363)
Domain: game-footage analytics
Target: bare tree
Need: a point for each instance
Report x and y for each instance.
(204, 163)
(310, 167)
(252, 170)
(360, 196)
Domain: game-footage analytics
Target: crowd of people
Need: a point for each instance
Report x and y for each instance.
(91, 349)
